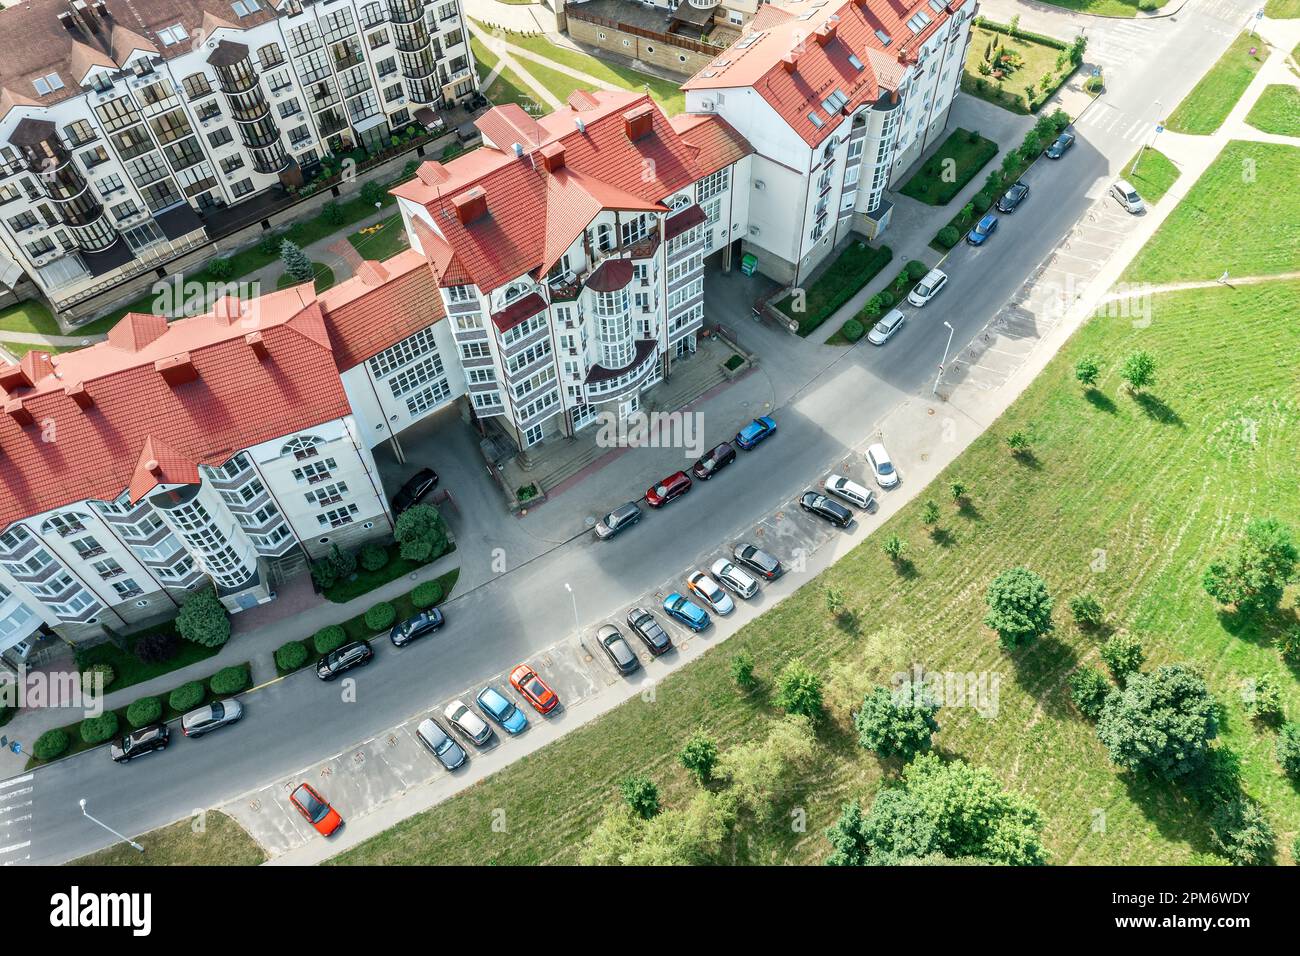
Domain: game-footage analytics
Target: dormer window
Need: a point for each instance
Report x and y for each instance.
(245, 8)
(172, 35)
(47, 84)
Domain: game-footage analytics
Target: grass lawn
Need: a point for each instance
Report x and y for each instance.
(29, 316)
(1154, 176)
(1104, 8)
(1282, 9)
(1134, 479)
(1277, 110)
(965, 153)
(1009, 91)
(1242, 215)
(507, 87)
(221, 842)
(381, 241)
(854, 268)
(1208, 104)
(324, 278)
(130, 669)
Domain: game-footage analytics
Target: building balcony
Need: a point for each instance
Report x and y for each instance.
(603, 384)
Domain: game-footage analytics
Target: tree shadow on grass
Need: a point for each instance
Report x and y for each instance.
(966, 508)
(1027, 458)
(1156, 410)
(1258, 628)
(905, 568)
(943, 537)
(1037, 670)
(1100, 401)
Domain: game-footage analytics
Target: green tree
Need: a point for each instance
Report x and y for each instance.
(296, 263)
(1089, 690)
(203, 620)
(51, 744)
(1087, 370)
(799, 691)
(958, 491)
(641, 795)
(421, 533)
(700, 756)
(1018, 441)
(691, 836)
(1077, 49)
(848, 842)
(143, 712)
(1287, 749)
(1254, 575)
(187, 696)
(1241, 832)
(742, 671)
(1138, 370)
(1087, 611)
(898, 723)
(1123, 656)
(762, 772)
(1020, 609)
(930, 514)
(835, 601)
(893, 546)
(343, 562)
(1161, 723)
(1262, 699)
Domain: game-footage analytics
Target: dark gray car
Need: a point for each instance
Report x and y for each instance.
(652, 635)
(346, 657)
(439, 743)
(620, 519)
(617, 649)
(756, 559)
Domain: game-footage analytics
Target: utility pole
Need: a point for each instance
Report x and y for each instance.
(86, 814)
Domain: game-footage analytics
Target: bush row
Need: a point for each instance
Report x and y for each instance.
(884, 300)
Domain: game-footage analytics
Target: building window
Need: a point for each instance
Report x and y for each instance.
(242, 188)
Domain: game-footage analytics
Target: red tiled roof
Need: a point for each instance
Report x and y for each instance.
(611, 275)
(715, 142)
(683, 220)
(379, 306)
(100, 414)
(525, 308)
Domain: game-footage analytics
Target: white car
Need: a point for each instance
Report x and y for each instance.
(850, 491)
(884, 330)
(927, 288)
(1124, 194)
(882, 466)
(708, 591)
(470, 724)
(734, 579)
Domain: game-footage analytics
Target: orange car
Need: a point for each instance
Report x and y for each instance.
(525, 680)
(316, 809)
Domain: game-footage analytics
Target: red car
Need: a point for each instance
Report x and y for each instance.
(674, 486)
(316, 809)
(525, 680)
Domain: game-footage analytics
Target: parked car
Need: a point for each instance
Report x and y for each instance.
(316, 809)
(140, 742)
(1013, 197)
(826, 508)
(620, 519)
(440, 743)
(416, 487)
(1123, 193)
(1058, 148)
(884, 330)
(734, 579)
(469, 724)
(708, 591)
(617, 649)
(535, 690)
(501, 709)
(929, 286)
(756, 559)
(674, 486)
(882, 466)
(755, 432)
(987, 225)
(714, 460)
(356, 654)
(426, 622)
(686, 612)
(850, 491)
(210, 717)
(644, 626)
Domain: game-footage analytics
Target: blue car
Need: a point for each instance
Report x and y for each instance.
(755, 432)
(493, 703)
(982, 230)
(688, 613)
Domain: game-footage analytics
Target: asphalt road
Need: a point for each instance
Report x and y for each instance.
(299, 721)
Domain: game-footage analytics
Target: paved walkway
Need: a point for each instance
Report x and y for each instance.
(505, 55)
(520, 17)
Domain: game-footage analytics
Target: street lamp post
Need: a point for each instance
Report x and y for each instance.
(576, 626)
(935, 390)
(86, 814)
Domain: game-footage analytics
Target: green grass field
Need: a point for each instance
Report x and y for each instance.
(1155, 174)
(1277, 110)
(507, 87)
(220, 841)
(1211, 100)
(965, 153)
(1242, 215)
(1282, 9)
(1104, 8)
(383, 242)
(1009, 91)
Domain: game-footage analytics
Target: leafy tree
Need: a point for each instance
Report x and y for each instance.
(143, 712)
(296, 263)
(1089, 690)
(343, 562)
(1018, 442)
(690, 836)
(203, 620)
(641, 795)
(103, 672)
(1020, 609)
(893, 546)
(762, 771)
(1087, 611)
(324, 573)
(1254, 575)
(157, 648)
(1287, 749)
(1123, 656)
(1288, 645)
(1161, 723)
(374, 557)
(1078, 48)
(329, 638)
(1262, 699)
(700, 756)
(1241, 832)
(896, 723)
(742, 671)
(948, 236)
(835, 601)
(229, 680)
(96, 730)
(958, 491)
(929, 514)
(1138, 370)
(373, 191)
(291, 656)
(847, 838)
(799, 691)
(333, 213)
(421, 533)
(1087, 370)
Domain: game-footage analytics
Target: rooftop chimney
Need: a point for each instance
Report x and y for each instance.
(176, 369)
(788, 61)
(553, 156)
(13, 378)
(77, 392)
(257, 344)
(432, 173)
(826, 32)
(638, 122)
(470, 205)
(21, 416)
(153, 467)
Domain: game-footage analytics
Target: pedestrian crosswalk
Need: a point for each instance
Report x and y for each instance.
(1104, 119)
(16, 819)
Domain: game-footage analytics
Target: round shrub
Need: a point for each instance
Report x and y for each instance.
(886, 299)
(291, 656)
(852, 330)
(229, 680)
(329, 638)
(948, 237)
(982, 201)
(51, 744)
(106, 675)
(916, 270)
(186, 697)
(426, 595)
(221, 269)
(381, 616)
(374, 557)
(96, 730)
(144, 712)
(157, 648)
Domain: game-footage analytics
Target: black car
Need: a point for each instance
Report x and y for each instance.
(758, 560)
(419, 485)
(620, 519)
(143, 741)
(617, 649)
(644, 626)
(824, 507)
(714, 461)
(1058, 148)
(426, 622)
(1013, 197)
(348, 656)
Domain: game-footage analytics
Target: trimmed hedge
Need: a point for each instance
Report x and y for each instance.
(374, 557)
(381, 616)
(1018, 34)
(329, 638)
(88, 676)
(143, 712)
(97, 730)
(230, 680)
(839, 282)
(948, 237)
(852, 330)
(51, 744)
(187, 696)
(291, 656)
(426, 595)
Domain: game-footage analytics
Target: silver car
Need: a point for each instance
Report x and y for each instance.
(884, 330)
(206, 719)
(620, 519)
(850, 491)
(928, 287)
(449, 753)
(734, 579)
(473, 727)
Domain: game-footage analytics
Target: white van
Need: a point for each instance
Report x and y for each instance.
(1127, 196)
